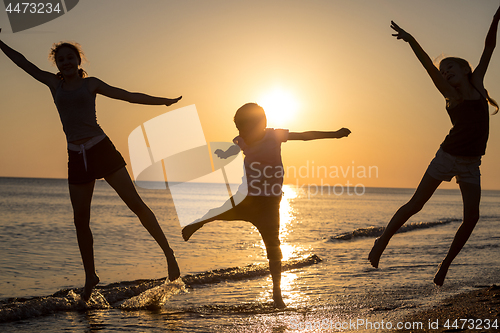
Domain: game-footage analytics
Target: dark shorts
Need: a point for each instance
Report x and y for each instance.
(445, 166)
(264, 214)
(102, 160)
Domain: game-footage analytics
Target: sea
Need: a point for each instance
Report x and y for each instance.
(225, 286)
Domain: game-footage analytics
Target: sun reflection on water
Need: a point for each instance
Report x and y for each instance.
(289, 290)
(289, 284)
(286, 220)
(286, 208)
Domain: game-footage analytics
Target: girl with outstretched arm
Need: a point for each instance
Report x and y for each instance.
(91, 155)
(460, 153)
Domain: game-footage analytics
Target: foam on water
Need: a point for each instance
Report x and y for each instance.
(155, 297)
(134, 295)
(18, 309)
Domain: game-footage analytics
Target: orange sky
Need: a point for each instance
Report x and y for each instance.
(336, 58)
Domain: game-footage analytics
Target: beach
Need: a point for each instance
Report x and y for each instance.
(474, 311)
(327, 282)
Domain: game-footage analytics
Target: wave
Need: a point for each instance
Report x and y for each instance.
(377, 231)
(246, 272)
(490, 217)
(134, 295)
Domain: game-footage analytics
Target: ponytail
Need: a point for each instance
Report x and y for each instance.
(491, 101)
(465, 63)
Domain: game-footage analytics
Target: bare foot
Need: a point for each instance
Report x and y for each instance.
(278, 300)
(190, 229)
(441, 274)
(173, 268)
(376, 252)
(89, 286)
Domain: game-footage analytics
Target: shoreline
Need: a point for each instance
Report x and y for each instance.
(449, 315)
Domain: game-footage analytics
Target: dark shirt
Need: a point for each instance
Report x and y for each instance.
(77, 112)
(469, 134)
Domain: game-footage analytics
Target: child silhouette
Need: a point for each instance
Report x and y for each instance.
(461, 151)
(264, 173)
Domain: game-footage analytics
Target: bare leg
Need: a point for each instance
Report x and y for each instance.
(190, 229)
(423, 193)
(219, 213)
(81, 197)
(123, 185)
(471, 196)
(275, 268)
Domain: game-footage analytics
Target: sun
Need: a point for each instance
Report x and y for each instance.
(280, 106)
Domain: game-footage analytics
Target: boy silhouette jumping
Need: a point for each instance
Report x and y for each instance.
(264, 172)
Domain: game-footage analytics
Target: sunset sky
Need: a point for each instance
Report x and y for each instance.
(329, 64)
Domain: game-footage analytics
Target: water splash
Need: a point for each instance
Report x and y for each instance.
(154, 298)
(96, 300)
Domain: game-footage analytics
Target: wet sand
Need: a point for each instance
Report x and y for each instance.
(476, 306)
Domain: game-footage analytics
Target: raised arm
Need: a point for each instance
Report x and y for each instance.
(105, 89)
(441, 84)
(44, 77)
(489, 46)
(315, 135)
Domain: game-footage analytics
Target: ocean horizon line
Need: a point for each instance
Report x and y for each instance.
(289, 184)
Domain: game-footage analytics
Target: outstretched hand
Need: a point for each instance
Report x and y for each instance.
(343, 132)
(171, 101)
(220, 153)
(401, 34)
